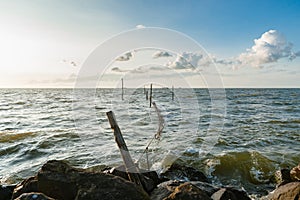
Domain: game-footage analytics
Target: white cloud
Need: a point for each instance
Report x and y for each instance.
(160, 54)
(269, 48)
(140, 26)
(191, 60)
(139, 70)
(125, 57)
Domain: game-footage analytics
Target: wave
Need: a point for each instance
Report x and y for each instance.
(249, 169)
(12, 136)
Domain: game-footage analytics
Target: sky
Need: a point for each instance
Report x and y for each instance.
(247, 43)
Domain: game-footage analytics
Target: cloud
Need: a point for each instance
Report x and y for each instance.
(140, 26)
(125, 57)
(117, 69)
(139, 70)
(269, 48)
(160, 54)
(191, 60)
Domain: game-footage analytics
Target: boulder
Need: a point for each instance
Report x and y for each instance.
(183, 190)
(149, 179)
(26, 186)
(208, 188)
(282, 177)
(180, 172)
(230, 193)
(188, 191)
(164, 189)
(33, 196)
(295, 173)
(6, 191)
(58, 180)
(289, 191)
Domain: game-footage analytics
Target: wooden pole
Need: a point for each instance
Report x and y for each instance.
(172, 92)
(150, 97)
(122, 89)
(131, 169)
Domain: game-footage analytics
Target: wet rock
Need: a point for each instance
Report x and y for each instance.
(6, 191)
(282, 177)
(230, 194)
(58, 180)
(149, 179)
(295, 173)
(186, 173)
(179, 189)
(33, 196)
(289, 191)
(188, 191)
(26, 186)
(164, 189)
(208, 188)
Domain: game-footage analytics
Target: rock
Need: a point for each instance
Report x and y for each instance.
(59, 180)
(149, 179)
(295, 173)
(6, 191)
(282, 177)
(289, 191)
(208, 188)
(179, 189)
(164, 189)
(188, 191)
(26, 186)
(186, 173)
(33, 196)
(230, 194)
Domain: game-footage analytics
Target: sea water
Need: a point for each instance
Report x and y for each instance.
(251, 135)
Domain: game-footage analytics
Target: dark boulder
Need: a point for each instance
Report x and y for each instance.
(182, 190)
(58, 180)
(26, 186)
(188, 191)
(282, 177)
(164, 189)
(230, 194)
(6, 191)
(149, 179)
(33, 196)
(286, 192)
(208, 188)
(181, 172)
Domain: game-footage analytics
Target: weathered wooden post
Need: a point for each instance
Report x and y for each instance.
(122, 89)
(146, 95)
(150, 97)
(172, 92)
(131, 169)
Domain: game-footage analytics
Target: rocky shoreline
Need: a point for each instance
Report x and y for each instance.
(60, 181)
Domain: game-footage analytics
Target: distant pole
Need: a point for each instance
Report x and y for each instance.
(146, 95)
(150, 97)
(122, 89)
(144, 90)
(172, 92)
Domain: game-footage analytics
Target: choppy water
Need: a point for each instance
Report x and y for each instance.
(257, 134)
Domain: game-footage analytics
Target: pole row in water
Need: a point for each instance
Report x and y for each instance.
(148, 97)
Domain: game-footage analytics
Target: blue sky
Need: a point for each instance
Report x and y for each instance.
(44, 43)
